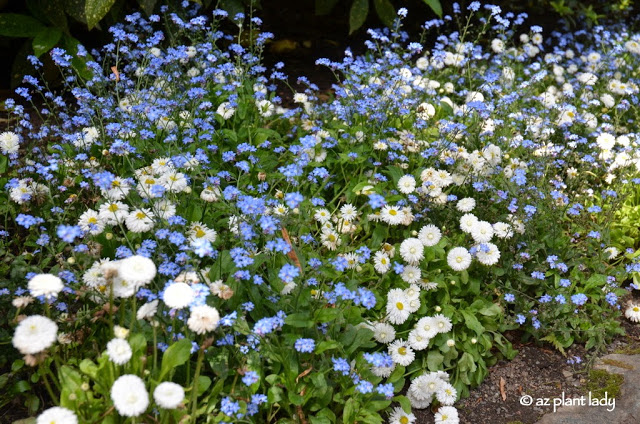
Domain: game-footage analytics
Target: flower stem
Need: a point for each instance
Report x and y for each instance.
(194, 388)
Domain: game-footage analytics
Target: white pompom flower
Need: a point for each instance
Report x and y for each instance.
(47, 285)
(137, 269)
(178, 295)
(130, 396)
(203, 319)
(34, 334)
(119, 351)
(168, 395)
(57, 415)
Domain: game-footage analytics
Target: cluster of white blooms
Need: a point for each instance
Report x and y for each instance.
(427, 386)
(126, 276)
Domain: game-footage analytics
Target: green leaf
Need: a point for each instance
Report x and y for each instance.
(46, 40)
(88, 367)
(300, 320)
(327, 314)
(49, 11)
(323, 7)
(404, 402)
(349, 412)
(472, 322)
(326, 345)
(358, 14)
(386, 12)
(14, 25)
(147, 5)
(434, 361)
(204, 383)
(95, 10)
(78, 63)
(435, 6)
(76, 9)
(3, 164)
(176, 355)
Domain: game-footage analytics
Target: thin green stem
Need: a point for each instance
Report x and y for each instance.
(194, 387)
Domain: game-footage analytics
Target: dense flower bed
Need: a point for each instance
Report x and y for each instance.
(183, 248)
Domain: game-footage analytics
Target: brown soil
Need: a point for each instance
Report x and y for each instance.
(537, 371)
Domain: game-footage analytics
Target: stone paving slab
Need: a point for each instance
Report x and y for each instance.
(627, 403)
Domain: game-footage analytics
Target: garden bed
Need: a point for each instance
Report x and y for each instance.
(179, 246)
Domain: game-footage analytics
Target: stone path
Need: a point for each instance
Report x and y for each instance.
(625, 410)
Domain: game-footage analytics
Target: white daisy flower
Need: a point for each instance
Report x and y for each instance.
(330, 239)
(447, 394)
(407, 184)
(147, 310)
(488, 254)
(459, 258)
(280, 210)
(111, 213)
(442, 323)
(383, 332)
(468, 222)
(90, 222)
(137, 269)
(178, 295)
(446, 415)
(203, 319)
(383, 372)
(34, 334)
(398, 416)
(502, 230)
(429, 235)
(381, 262)
(322, 216)
(412, 251)
(392, 215)
(348, 212)
(428, 325)
(411, 274)
(482, 232)
(397, 306)
(633, 312)
(119, 351)
(401, 353)
(425, 386)
(466, 205)
(419, 403)
(129, 396)
(57, 415)
(47, 285)
(210, 194)
(9, 143)
(140, 220)
(200, 231)
(174, 182)
(418, 339)
(164, 209)
(168, 395)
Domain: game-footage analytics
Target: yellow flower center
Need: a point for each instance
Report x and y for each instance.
(113, 207)
(404, 420)
(92, 220)
(400, 306)
(140, 215)
(402, 351)
(200, 232)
